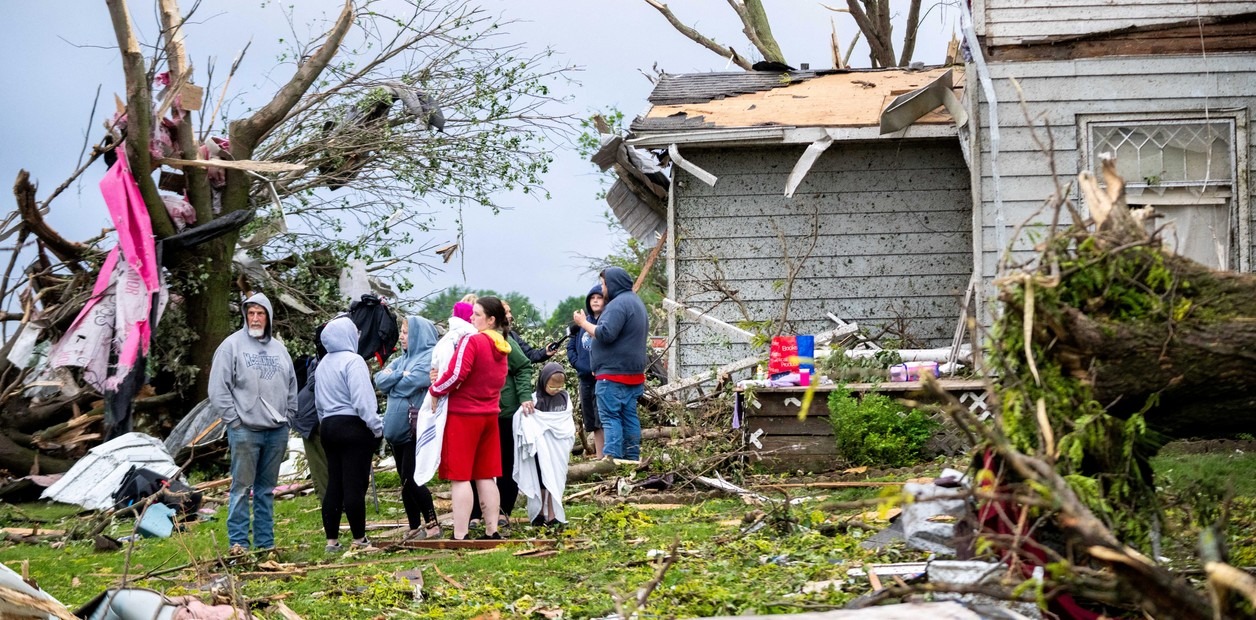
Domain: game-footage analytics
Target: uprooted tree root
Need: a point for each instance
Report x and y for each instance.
(1109, 346)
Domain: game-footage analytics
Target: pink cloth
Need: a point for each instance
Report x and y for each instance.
(117, 315)
(463, 310)
(135, 237)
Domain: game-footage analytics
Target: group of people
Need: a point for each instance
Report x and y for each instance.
(465, 405)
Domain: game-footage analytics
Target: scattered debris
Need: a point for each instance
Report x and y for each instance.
(92, 482)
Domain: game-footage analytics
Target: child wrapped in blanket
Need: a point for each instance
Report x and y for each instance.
(543, 441)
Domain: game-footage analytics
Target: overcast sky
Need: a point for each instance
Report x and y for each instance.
(57, 52)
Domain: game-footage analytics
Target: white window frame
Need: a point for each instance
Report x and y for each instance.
(1240, 207)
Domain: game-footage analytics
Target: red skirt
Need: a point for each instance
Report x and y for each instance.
(472, 449)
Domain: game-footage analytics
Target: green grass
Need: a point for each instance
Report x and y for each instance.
(605, 551)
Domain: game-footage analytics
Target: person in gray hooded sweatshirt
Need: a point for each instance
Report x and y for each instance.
(348, 419)
(405, 381)
(253, 389)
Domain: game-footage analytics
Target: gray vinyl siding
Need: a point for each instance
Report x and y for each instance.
(1013, 22)
(894, 244)
(1061, 93)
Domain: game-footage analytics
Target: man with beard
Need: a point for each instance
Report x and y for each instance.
(253, 389)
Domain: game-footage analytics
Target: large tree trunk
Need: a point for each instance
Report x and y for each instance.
(208, 312)
(1203, 375)
(1148, 330)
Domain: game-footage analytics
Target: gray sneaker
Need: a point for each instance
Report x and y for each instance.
(360, 544)
(336, 548)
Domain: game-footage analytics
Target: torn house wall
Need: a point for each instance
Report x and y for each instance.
(894, 241)
(1014, 22)
(1071, 94)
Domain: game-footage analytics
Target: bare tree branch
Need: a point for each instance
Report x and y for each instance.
(870, 27)
(245, 133)
(697, 37)
(757, 28)
(763, 31)
(139, 113)
(197, 180)
(909, 36)
(68, 251)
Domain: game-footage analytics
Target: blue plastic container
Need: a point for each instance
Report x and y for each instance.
(158, 521)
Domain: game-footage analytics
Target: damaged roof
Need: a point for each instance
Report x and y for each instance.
(853, 98)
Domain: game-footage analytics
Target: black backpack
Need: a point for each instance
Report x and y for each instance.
(140, 483)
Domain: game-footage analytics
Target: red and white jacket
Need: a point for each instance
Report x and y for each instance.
(475, 376)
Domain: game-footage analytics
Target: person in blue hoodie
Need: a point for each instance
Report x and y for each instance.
(579, 344)
(619, 358)
(350, 426)
(253, 389)
(405, 382)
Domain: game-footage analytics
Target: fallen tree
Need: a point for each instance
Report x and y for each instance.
(1147, 330)
(1107, 345)
(388, 115)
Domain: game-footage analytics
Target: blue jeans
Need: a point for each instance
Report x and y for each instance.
(617, 406)
(255, 459)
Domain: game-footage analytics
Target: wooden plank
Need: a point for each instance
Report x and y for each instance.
(448, 543)
(808, 103)
(855, 285)
(874, 244)
(1214, 38)
(775, 420)
(790, 446)
(841, 484)
(712, 322)
(739, 269)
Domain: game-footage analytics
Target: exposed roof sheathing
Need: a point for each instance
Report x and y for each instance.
(853, 99)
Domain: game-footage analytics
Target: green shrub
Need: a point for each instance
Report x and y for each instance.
(875, 430)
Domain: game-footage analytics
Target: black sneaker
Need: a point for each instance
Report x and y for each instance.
(493, 536)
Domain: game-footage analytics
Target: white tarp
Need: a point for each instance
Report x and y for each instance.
(93, 480)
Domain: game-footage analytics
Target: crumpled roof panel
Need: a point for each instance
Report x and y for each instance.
(700, 87)
(92, 481)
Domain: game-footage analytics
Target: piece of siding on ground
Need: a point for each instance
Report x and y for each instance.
(1013, 22)
(894, 244)
(1060, 93)
(93, 480)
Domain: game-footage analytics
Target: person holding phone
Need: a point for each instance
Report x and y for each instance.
(534, 355)
(579, 345)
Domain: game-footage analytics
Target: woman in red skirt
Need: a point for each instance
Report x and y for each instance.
(473, 382)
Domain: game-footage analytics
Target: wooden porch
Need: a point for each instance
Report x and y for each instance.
(780, 442)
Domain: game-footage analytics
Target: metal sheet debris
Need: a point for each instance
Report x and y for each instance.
(93, 480)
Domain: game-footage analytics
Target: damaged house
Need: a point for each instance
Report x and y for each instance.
(858, 193)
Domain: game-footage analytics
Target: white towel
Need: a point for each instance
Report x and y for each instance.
(545, 437)
(429, 432)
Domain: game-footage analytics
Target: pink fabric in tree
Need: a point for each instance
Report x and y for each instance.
(135, 237)
(116, 318)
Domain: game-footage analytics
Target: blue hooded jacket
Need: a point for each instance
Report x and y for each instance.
(579, 344)
(343, 381)
(406, 379)
(621, 337)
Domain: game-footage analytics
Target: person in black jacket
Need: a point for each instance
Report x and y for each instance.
(578, 353)
(534, 355)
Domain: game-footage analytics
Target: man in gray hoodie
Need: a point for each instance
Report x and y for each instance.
(253, 388)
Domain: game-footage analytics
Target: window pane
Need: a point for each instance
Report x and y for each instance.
(1168, 152)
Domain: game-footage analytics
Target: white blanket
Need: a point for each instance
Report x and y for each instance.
(429, 432)
(545, 437)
